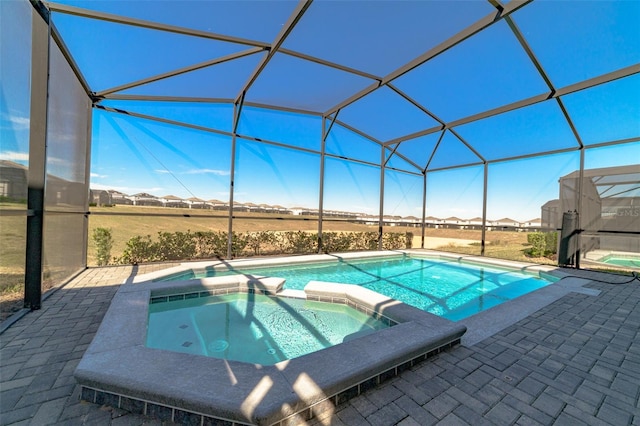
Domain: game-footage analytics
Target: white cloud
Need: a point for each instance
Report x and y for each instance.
(97, 176)
(207, 171)
(128, 189)
(58, 161)
(196, 172)
(14, 156)
(17, 122)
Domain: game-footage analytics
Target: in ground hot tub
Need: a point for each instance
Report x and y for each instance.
(255, 328)
(120, 370)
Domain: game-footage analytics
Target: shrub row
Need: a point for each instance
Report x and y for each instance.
(542, 243)
(205, 245)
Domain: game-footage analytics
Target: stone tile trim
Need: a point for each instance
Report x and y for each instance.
(122, 331)
(362, 308)
(175, 414)
(326, 299)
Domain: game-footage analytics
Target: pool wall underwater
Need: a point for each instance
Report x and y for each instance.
(120, 371)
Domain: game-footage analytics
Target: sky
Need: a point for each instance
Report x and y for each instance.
(130, 154)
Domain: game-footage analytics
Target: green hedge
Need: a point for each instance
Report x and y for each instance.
(542, 243)
(206, 245)
(104, 242)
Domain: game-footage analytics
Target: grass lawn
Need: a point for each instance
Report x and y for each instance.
(123, 227)
(128, 221)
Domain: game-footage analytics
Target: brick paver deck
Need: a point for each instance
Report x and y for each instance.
(574, 362)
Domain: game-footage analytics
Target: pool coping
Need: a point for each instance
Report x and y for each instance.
(119, 370)
(201, 266)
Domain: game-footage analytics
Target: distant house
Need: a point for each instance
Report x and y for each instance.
(196, 203)
(505, 224)
(218, 205)
(410, 221)
(254, 208)
(454, 222)
(100, 197)
(240, 207)
(62, 192)
(475, 223)
(549, 215)
(281, 209)
(368, 219)
(13, 180)
(391, 220)
(300, 211)
(172, 201)
(337, 214)
(145, 199)
(118, 197)
(266, 208)
(532, 224)
(609, 207)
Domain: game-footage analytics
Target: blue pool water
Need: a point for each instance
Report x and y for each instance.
(448, 288)
(254, 328)
(628, 261)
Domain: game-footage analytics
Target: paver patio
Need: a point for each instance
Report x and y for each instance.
(576, 361)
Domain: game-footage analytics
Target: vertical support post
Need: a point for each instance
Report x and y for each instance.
(484, 208)
(579, 206)
(424, 206)
(232, 172)
(381, 218)
(87, 180)
(321, 190)
(40, 31)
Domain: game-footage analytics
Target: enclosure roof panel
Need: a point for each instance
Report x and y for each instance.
(205, 114)
(293, 129)
(537, 128)
(248, 19)
(112, 54)
(575, 41)
(452, 151)
(221, 80)
(607, 112)
(345, 143)
(486, 71)
(379, 36)
(444, 84)
(292, 82)
(420, 149)
(386, 115)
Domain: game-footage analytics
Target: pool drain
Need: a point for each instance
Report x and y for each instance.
(218, 345)
(271, 351)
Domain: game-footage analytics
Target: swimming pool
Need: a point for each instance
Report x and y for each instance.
(120, 370)
(622, 260)
(449, 288)
(116, 369)
(254, 328)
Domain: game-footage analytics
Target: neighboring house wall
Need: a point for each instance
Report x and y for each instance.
(13, 180)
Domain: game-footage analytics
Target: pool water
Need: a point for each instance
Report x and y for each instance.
(629, 261)
(254, 328)
(447, 288)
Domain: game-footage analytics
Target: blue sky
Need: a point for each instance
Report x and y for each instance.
(572, 42)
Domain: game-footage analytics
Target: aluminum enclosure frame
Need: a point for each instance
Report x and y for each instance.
(329, 116)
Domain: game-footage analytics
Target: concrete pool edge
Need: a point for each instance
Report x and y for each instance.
(117, 369)
(491, 321)
(201, 266)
